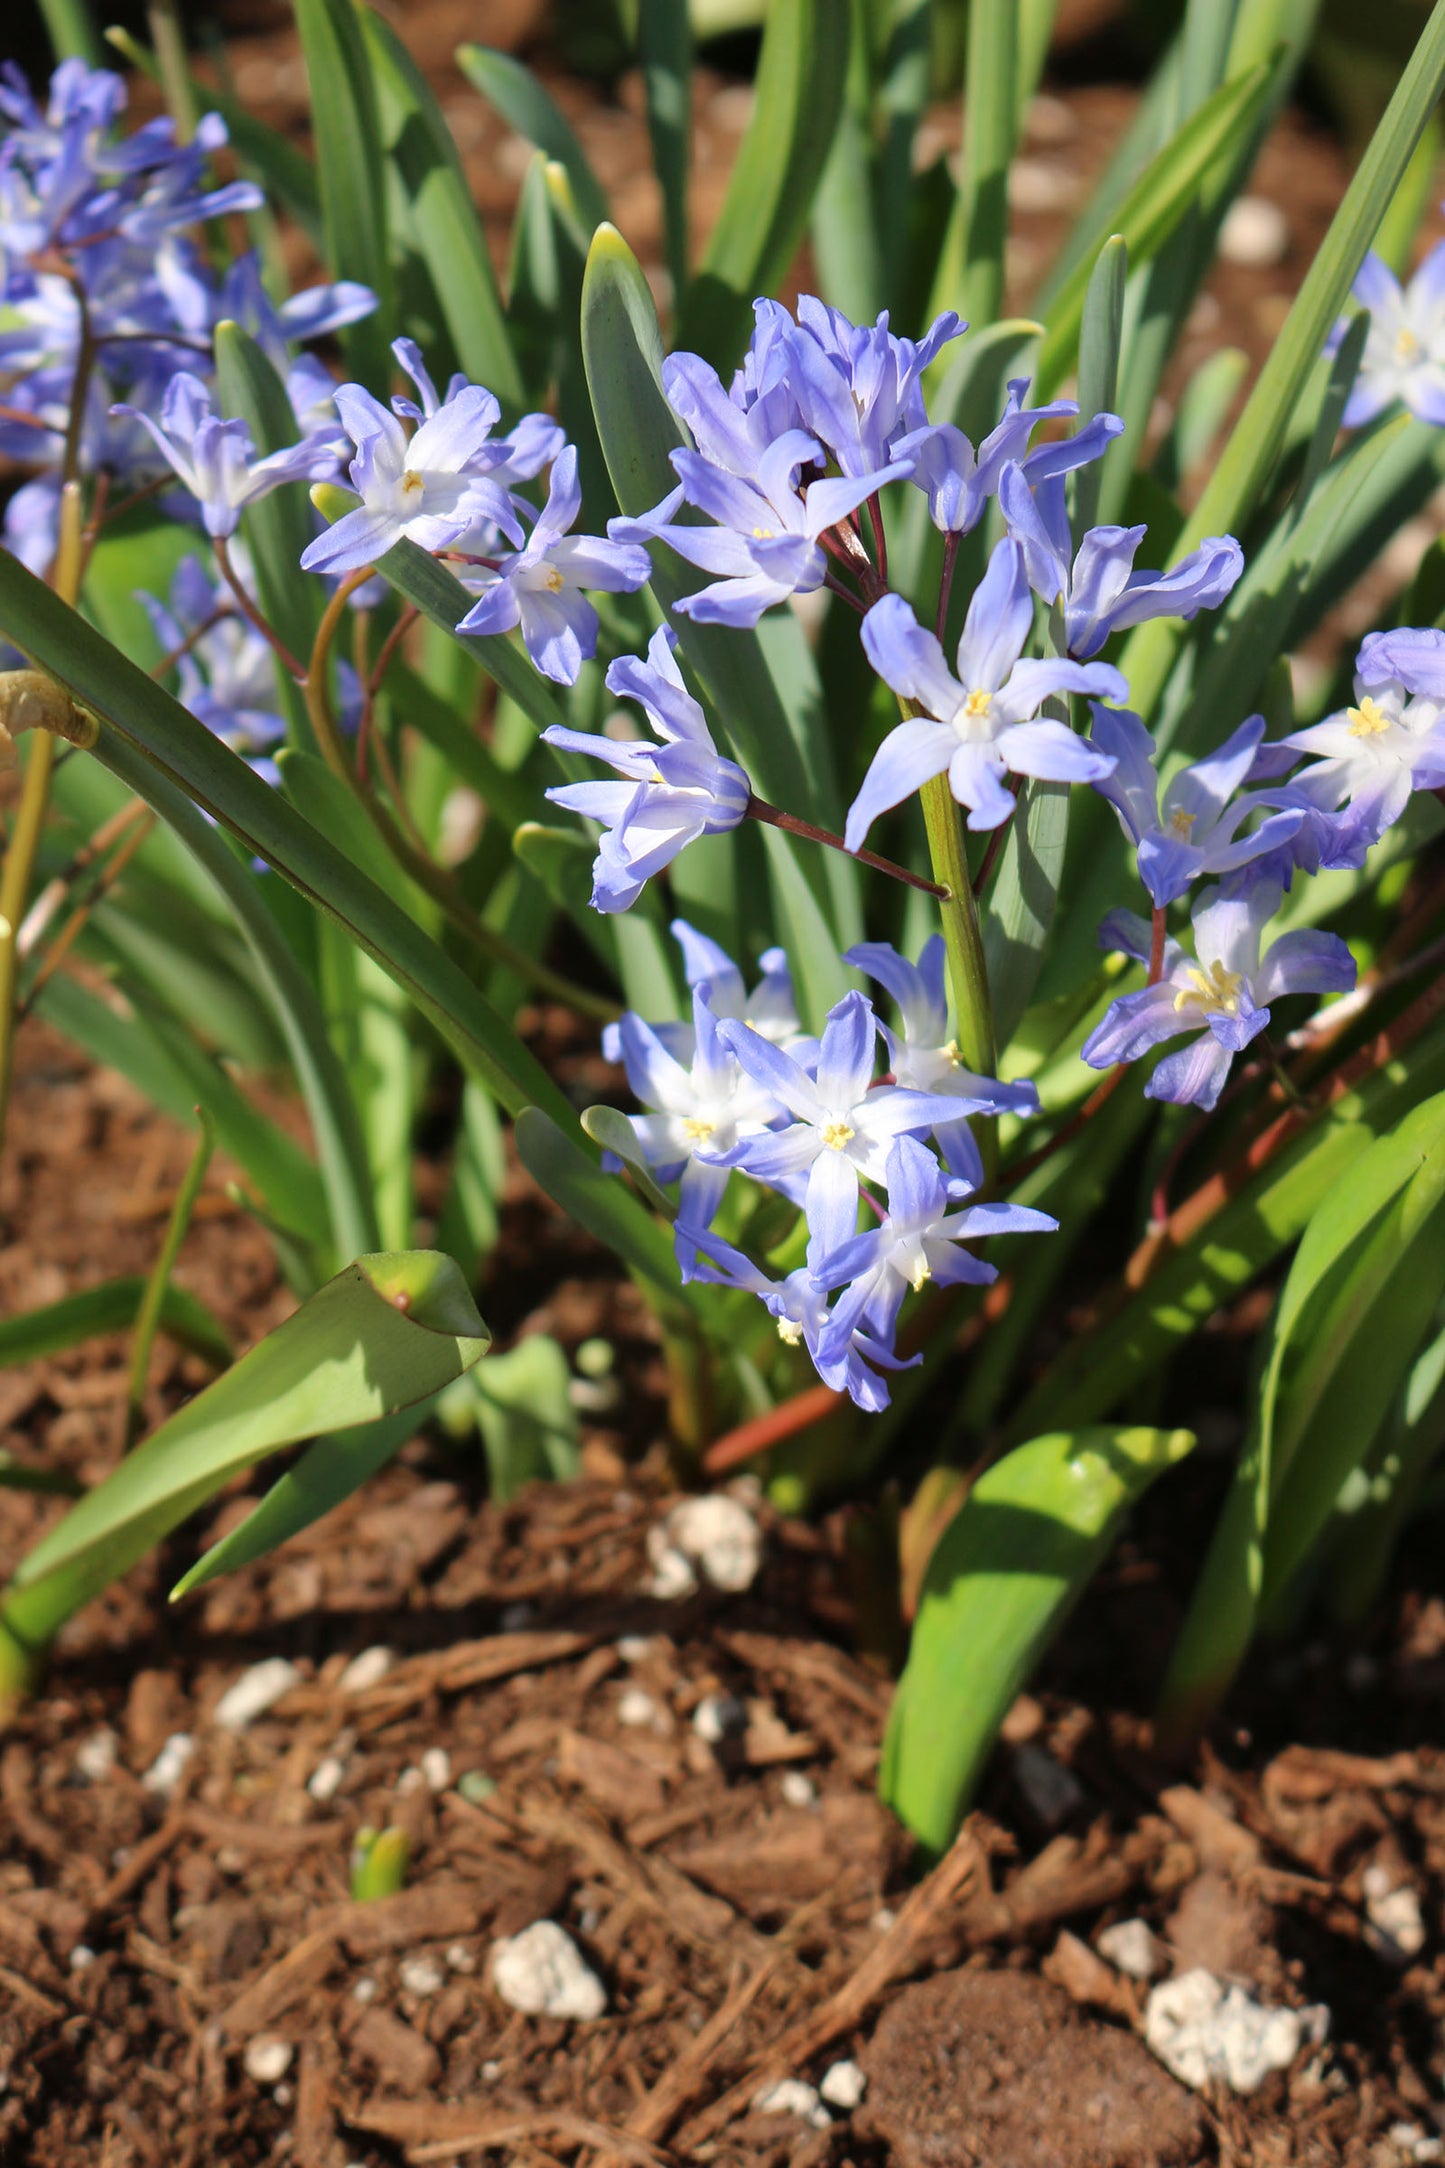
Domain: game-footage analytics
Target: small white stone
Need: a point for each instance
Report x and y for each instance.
(1415, 2143)
(1052, 1791)
(420, 1976)
(1255, 233)
(1201, 2029)
(517, 1617)
(436, 1767)
(365, 1990)
(790, 2096)
(720, 1536)
(165, 1772)
(256, 1691)
(1133, 1947)
(636, 1707)
(718, 1717)
(883, 1919)
(82, 1957)
(1396, 1926)
(326, 1779)
(268, 2058)
(367, 1669)
(843, 2086)
(542, 1973)
(460, 1958)
(672, 1574)
(490, 2073)
(96, 1755)
(634, 1648)
(798, 1790)
(283, 2097)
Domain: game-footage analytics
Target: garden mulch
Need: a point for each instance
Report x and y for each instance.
(534, 1737)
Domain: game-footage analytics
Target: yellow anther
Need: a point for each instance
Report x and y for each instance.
(1181, 822)
(697, 1128)
(951, 1054)
(411, 482)
(836, 1135)
(764, 534)
(554, 580)
(1407, 347)
(1215, 991)
(919, 1271)
(977, 706)
(790, 1331)
(1368, 719)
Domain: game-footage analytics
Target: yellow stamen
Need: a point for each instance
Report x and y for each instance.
(977, 706)
(764, 534)
(1368, 719)
(1181, 822)
(919, 1271)
(1407, 347)
(411, 482)
(696, 1128)
(951, 1054)
(836, 1135)
(789, 1331)
(1215, 991)
(554, 580)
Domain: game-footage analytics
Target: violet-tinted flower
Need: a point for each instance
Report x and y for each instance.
(704, 1105)
(540, 588)
(842, 1126)
(919, 1241)
(978, 726)
(216, 460)
(764, 546)
(800, 1307)
(1098, 590)
(1222, 993)
(925, 1057)
(1373, 755)
(1195, 829)
(428, 488)
(959, 481)
(518, 457)
(770, 1008)
(227, 676)
(859, 387)
(671, 794)
(1404, 355)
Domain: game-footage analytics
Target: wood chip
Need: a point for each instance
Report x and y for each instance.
(303, 1967)
(435, 1911)
(436, 2131)
(1219, 1840)
(398, 2054)
(268, 1837)
(611, 1777)
(1086, 1979)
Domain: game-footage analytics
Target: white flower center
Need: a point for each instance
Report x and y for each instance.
(1215, 991)
(412, 483)
(1407, 347)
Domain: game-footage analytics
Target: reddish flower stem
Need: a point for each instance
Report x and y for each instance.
(760, 810)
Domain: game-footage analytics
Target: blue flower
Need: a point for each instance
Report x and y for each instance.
(842, 1124)
(1222, 994)
(672, 792)
(1099, 591)
(731, 429)
(1195, 829)
(977, 726)
(216, 460)
(859, 387)
(1404, 355)
(1375, 753)
(801, 1309)
(540, 588)
(919, 1241)
(959, 481)
(926, 1058)
(764, 546)
(227, 676)
(770, 1008)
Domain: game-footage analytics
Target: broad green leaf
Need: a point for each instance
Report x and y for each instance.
(468, 1220)
(71, 29)
(1022, 898)
(600, 1203)
(525, 1414)
(1412, 1445)
(1247, 462)
(350, 166)
(444, 228)
(389, 1331)
(615, 1133)
(329, 1470)
(1154, 206)
(278, 527)
(1204, 403)
(110, 1306)
(664, 48)
(798, 98)
(1101, 327)
(528, 107)
(1003, 1577)
(971, 268)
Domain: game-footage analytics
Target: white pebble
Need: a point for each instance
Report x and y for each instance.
(490, 2073)
(268, 2058)
(634, 1648)
(1255, 232)
(672, 1574)
(843, 2086)
(436, 1767)
(82, 1957)
(165, 1772)
(365, 1990)
(790, 2096)
(95, 1757)
(882, 1920)
(367, 1669)
(1133, 1947)
(1396, 1926)
(1052, 1791)
(460, 1958)
(420, 1976)
(327, 1779)
(256, 1691)
(282, 2095)
(798, 1790)
(1201, 2029)
(1414, 2143)
(542, 1973)
(636, 1707)
(719, 1536)
(718, 1717)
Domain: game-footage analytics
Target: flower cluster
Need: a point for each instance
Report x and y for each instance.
(744, 1088)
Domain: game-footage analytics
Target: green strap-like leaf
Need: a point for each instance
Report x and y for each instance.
(527, 106)
(798, 97)
(111, 1306)
(278, 527)
(445, 229)
(1002, 1578)
(349, 163)
(664, 47)
(386, 1333)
